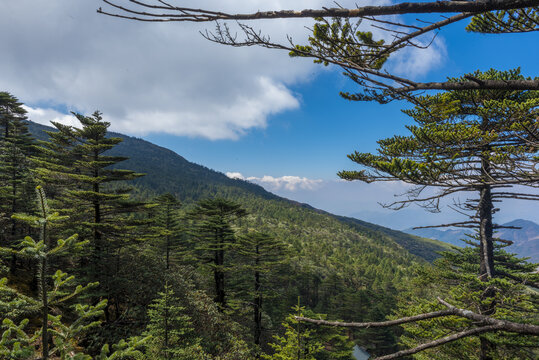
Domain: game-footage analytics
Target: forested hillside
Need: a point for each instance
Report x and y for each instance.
(333, 265)
(166, 171)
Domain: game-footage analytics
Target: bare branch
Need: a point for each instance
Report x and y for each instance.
(510, 326)
(490, 325)
(444, 340)
(363, 325)
(197, 15)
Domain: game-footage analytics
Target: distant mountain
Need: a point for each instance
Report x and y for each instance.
(167, 171)
(525, 240)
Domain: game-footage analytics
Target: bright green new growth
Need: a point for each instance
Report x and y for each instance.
(506, 21)
(53, 296)
(15, 343)
(297, 342)
(170, 330)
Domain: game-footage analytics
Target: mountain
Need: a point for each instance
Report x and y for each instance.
(525, 240)
(167, 171)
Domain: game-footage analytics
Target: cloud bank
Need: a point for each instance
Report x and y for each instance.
(155, 78)
(289, 183)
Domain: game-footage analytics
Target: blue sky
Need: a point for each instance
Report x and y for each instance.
(250, 111)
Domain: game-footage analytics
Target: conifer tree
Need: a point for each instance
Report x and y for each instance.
(213, 232)
(297, 342)
(97, 206)
(16, 147)
(168, 229)
(56, 292)
(454, 276)
(263, 255)
(44, 252)
(478, 141)
(171, 331)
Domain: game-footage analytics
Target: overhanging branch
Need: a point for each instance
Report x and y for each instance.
(160, 11)
(486, 324)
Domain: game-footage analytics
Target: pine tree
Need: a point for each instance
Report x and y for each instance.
(296, 343)
(16, 147)
(97, 206)
(54, 296)
(56, 292)
(454, 277)
(171, 331)
(213, 219)
(478, 141)
(263, 255)
(167, 228)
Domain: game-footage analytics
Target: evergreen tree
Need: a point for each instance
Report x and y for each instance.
(479, 141)
(97, 206)
(53, 296)
(167, 228)
(171, 331)
(213, 219)
(16, 147)
(263, 255)
(296, 343)
(454, 277)
(56, 295)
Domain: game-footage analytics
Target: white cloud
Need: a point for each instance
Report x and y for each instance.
(235, 175)
(151, 77)
(45, 116)
(287, 182)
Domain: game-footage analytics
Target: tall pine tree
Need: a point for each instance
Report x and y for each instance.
(93, 194)
(214, 237)
(16, 147)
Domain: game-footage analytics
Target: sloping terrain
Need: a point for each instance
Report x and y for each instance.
(167, 171)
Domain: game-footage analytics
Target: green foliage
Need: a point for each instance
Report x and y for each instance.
(212, 229)
(453, 130)
(171, 331)
(15, 182)
(131, 349)
(342, 42)
(76, 166)
(506, 21)
(15, 343)
(454, 278)
(167, 230)
(297, 343)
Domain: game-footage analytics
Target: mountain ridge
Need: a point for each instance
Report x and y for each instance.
(167, 171)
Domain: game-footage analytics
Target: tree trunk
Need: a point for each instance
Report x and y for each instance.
(486, 247)
(257, 309)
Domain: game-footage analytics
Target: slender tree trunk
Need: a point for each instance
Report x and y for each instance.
(486, 246)
(168, 237)
(219, 278)
(257, 309)
(167, 353)
(43, 286)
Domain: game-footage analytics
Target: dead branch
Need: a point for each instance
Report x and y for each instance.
(441, 341)
(488, 324)
(364, 325)
(166, 12)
